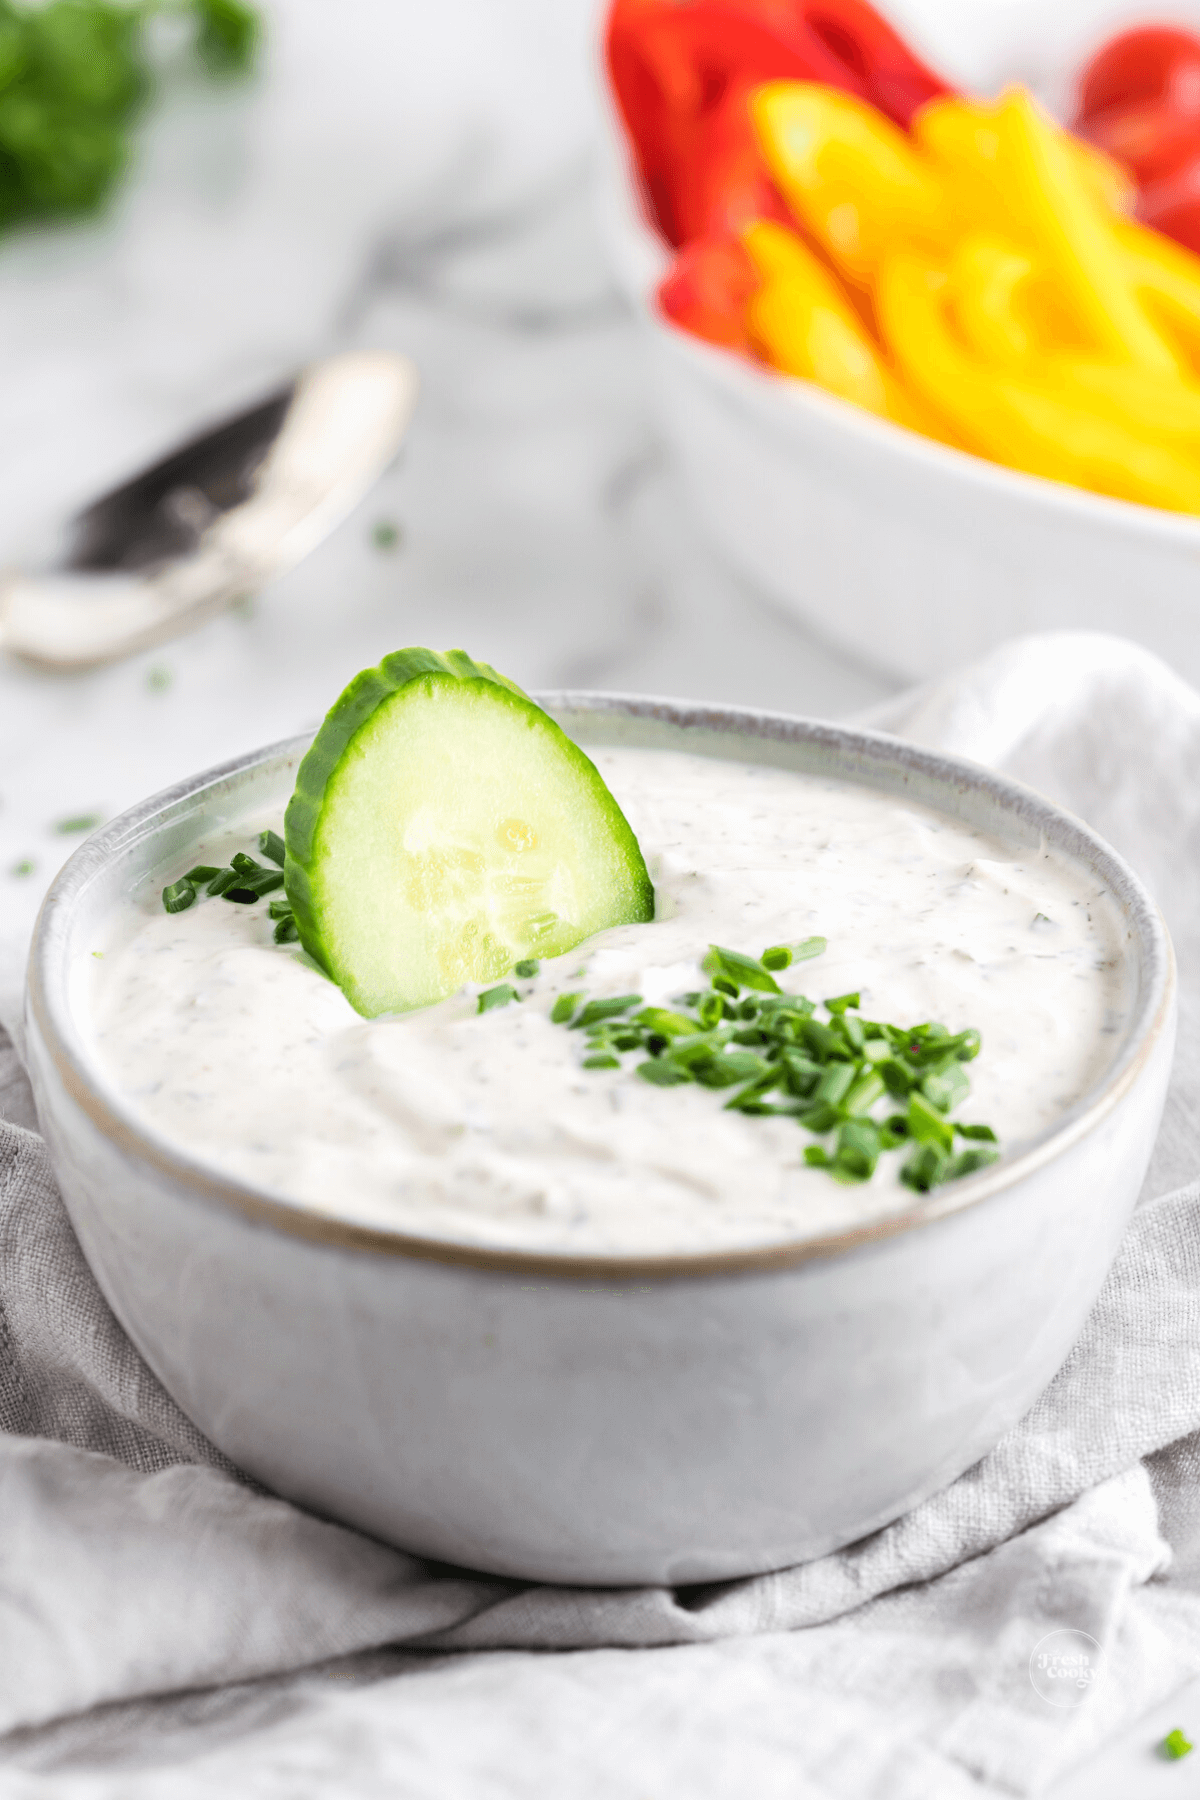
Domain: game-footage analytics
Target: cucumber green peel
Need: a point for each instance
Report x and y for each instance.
(444, 828)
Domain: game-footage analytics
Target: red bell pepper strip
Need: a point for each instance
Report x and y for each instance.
(728, 183)
(1147, 136)
(707, 290)
(1172, 205)
(1139, 99)
(1155, 62)
(677, 66)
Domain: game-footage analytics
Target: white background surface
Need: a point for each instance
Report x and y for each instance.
(416, 178)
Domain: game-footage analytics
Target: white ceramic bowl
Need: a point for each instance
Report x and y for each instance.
(586, 1420)
(912, 556)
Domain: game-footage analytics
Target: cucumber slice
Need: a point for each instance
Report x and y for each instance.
(443, 828)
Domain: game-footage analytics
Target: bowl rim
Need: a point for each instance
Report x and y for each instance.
(50, 1015)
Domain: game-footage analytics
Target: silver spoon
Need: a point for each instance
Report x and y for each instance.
(216, 519)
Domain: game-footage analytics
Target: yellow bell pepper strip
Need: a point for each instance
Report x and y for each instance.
(1143, 403)
(963, 139)
(851, 177)
(776, 250)
(1073, 235)
(1026, 422)
(1167, 278)
(804, 325)
(987, 281)
(992, 294)
(1102, 175)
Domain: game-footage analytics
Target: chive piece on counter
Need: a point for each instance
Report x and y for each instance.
(527, 968)
(270, 844)
(77, 822)
(178, 896)
(1175, 1745)
(496, 996)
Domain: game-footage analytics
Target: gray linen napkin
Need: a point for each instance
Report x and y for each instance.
(134, 1561)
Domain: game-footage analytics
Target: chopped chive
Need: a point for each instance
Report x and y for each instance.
(385, 535)
(665, 1023)
(807, 948)
(201, 873)
(967, 1161)
(738, 970)
(241, 896)
(711, 1010)
(224, 878)
(245, 865)
(927, 1125)
(662, 1074)
(527, 968)
(25, 867)
(178, 896)
(744, 1033)
(286, 931)
(280, 908)
(271, 845)
(863, 1092)
(834, 1084)
(924, 1168)
(596, 1010)
(947, 1087)
(496, 996)
(77, 822)
(820, 1118)
(267, 881)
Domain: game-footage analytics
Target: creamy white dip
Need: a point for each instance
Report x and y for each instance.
(486, 1129)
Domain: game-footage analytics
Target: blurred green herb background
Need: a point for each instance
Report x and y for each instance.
(74, 76)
